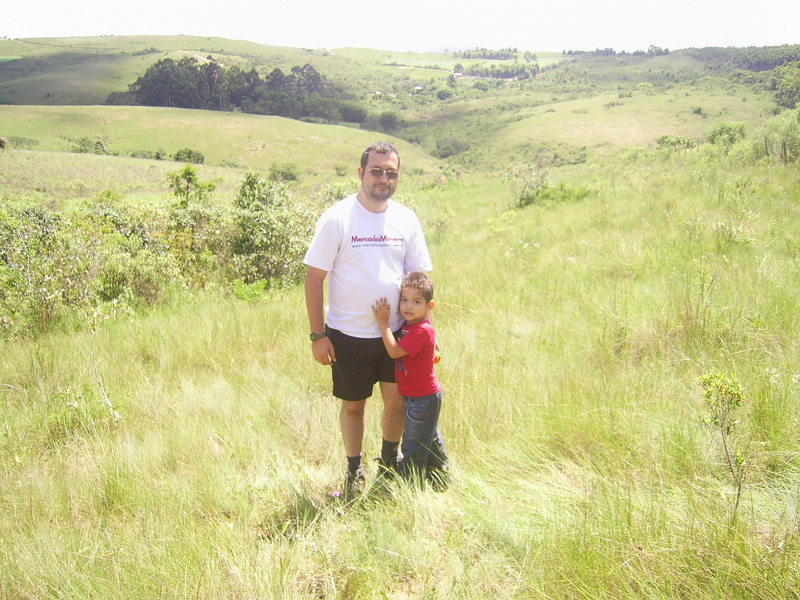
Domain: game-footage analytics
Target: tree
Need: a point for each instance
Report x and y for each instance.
(276, 81)
(352, 112)
(272, 232)
(727, 133)
(240, 85)
(190, 156)
(213, 79)
(389, 121)
(316, 105)
(787, 85)
(188, 188)
(168, 83)
(676, 142)
(779, 137)
(306, 81)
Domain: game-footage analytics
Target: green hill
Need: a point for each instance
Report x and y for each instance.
(576, 107)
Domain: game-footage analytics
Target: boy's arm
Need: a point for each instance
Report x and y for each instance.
(381, 309)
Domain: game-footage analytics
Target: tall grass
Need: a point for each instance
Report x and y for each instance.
(574, 336)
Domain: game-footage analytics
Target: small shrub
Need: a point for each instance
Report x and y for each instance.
(333, 192)
(22, 142)
(676, 142)
(271, 233)
(249, 291)
(727, 133)
(188, 188)
(257, 193)
(352, 112)
(285, 172)
(189, 156)
(723, 397)
(83, 145)
(450, 146)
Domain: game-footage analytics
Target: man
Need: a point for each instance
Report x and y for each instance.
(365, 243)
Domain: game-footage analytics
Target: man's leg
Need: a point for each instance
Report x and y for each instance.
(392, 425)
(394, 409)
(351, 421)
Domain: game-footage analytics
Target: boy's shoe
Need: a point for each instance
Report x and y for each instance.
(354, 484)
(438, 479)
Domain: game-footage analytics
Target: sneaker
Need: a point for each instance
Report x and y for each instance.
(354, 484)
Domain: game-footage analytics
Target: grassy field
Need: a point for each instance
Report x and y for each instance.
(573, 336)
(232, 144)
(620, 365)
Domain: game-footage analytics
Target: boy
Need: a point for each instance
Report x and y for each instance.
(415, 353)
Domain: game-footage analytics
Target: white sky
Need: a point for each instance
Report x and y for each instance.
(420, 25)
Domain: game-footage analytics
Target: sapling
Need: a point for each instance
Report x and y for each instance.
(723, 397)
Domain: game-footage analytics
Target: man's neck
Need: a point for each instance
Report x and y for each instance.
(371, 205)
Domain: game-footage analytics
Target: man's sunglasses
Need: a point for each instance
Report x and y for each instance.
(390, 173)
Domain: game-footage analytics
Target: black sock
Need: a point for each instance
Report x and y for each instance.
(389, 453)
(353, 463)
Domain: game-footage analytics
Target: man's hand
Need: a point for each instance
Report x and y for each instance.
(323, 351)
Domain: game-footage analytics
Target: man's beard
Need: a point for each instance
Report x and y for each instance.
(379, 194)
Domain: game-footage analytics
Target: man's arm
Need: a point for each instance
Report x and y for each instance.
(322, 349)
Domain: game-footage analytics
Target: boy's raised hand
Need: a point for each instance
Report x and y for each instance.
(382, 311)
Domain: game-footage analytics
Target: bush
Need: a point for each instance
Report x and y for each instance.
(56, 270)
(534, 187)
(189, 156)
(779, 138)
(727, 133)
(257, 193)
(352, 112)
(16, 141)
(333, 192)
(449, 146)
(271, 233)
(676, 142)
(285, 172)
(188, 188)
(389, 121)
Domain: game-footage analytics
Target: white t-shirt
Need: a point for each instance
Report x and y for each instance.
(366, 255)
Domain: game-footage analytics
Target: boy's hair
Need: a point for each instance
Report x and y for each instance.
(419, 280)
(379, 148)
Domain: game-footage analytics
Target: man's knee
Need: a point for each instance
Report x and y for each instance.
(391, 395)
(353, 408)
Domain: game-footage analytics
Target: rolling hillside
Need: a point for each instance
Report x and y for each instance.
(576, 108)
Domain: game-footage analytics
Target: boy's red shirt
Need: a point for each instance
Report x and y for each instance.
(415, 372)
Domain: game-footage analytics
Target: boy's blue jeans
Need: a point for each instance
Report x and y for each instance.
(423, 445)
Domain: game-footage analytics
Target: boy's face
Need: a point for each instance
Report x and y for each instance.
(413, 306)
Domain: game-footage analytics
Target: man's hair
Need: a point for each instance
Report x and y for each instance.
(419, 280)
(379, 148)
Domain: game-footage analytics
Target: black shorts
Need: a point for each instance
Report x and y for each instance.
(360, 364)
